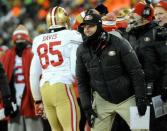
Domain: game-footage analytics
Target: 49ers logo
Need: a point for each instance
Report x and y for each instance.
(88, 17)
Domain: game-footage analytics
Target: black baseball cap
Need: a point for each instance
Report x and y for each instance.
(92, 19)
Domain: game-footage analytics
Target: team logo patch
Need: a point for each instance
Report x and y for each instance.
(88, 17)
(147, 39)
(111, 53)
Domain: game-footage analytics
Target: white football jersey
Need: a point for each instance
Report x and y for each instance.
(19, 82)
(54, 58)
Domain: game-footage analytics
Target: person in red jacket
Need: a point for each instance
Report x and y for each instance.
(16, 62)
(6, 108)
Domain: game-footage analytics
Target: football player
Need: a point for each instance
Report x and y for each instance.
(52, 72)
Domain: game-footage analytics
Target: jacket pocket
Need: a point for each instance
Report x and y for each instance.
(120, 89)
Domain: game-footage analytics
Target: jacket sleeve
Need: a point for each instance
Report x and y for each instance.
(161, 49)
(133, 67)
(83, 81)
(149, 62)
(4, 85)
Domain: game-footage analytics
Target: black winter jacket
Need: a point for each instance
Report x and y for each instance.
(152, 55)
(115, 73)
(4, 85)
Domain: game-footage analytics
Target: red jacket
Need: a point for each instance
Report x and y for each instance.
(8, 61)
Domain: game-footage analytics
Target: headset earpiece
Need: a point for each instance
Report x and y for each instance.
(146, 11)
(148, 1)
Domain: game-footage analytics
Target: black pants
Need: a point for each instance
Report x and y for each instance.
(157, 124)
(46, 125)
(3, 125)
(119, 124)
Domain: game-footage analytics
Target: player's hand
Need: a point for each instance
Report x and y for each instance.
(39, 109)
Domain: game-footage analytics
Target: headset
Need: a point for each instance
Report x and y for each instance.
(90, 11)
(147, 9)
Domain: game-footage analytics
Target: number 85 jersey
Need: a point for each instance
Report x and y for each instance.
(54, 57)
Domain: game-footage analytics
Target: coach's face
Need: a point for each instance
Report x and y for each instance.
(89, 30)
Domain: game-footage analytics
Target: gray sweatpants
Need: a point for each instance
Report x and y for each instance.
(21, 123)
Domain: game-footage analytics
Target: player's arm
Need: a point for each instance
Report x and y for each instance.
(73, 58)
(35, 73)
(76, 40)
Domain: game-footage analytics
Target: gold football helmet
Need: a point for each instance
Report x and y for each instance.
(57, 17)
(123, 12)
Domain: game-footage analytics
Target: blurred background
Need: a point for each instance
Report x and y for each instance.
(32, 13)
